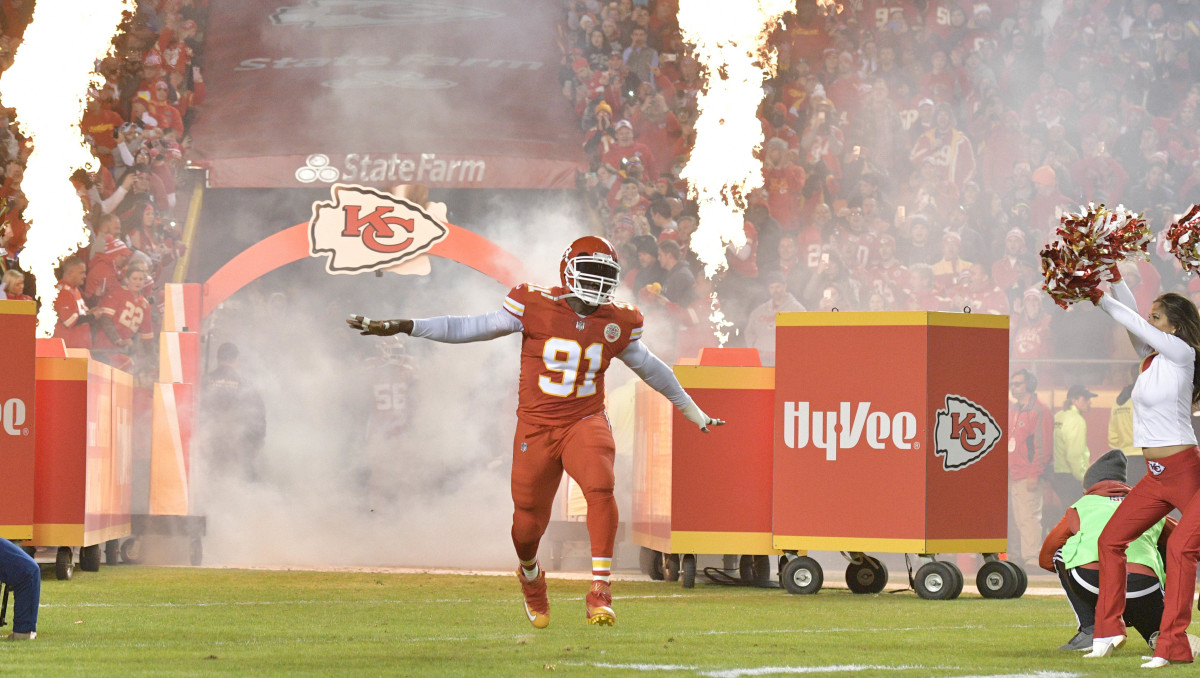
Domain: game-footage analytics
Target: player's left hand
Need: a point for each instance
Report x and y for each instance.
(366, 325)
(694, 414)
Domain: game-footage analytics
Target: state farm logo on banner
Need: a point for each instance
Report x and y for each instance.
(361, 13)
(362, 230)
(801, 425)
(963, 433)
(12, 417)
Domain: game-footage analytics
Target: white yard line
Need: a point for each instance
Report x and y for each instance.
(798, 670)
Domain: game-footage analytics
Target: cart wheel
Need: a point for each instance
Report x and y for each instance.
(687, 564)
(802, 575)
(935, 581)
(650, 562)
(671, 566)
(89, 558)
(746, 569)
(112, 552)
(64, 563)
(196, 552)
(131, 551)
(762, 571)
(868, 576)
(958, 580)
(996, 580)
(1022, 578)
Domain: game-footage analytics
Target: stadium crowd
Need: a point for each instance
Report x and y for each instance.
(110, 292)
(917, 156)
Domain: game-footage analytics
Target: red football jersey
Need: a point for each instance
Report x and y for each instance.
(70, 309)
(564, 355)
(130, 313)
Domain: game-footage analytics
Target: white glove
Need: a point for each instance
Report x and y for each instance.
(694, 414)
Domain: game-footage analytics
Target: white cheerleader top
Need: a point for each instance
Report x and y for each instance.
(1162, 394)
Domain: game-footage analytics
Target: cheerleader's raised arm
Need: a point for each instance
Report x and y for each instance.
(1146, 338)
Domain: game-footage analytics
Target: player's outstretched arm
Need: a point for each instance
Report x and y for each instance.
(655, 372)
(450, 329)
(382, 328)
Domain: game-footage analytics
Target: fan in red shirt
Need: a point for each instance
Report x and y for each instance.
(570, 334)
(74, 317)
(122, 319)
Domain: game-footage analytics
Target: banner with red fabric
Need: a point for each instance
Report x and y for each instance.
(384, 92)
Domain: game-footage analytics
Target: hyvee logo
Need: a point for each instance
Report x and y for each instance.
(964, 432)
(12, 416)
(366, 230)
(877, 427)
(360, 13)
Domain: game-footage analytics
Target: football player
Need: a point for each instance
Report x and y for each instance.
(569, 336)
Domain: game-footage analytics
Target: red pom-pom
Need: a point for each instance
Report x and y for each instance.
(1090, 246)
(1183, 239)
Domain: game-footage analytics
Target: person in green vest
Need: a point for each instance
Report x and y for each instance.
(1071, 550)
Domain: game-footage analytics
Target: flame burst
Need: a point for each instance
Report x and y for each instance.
(731, 47)
(47, 84)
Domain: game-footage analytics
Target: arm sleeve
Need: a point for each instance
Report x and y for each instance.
(1058, 536)
(652, 370)
(1124, 295)
(458, 329)
(1145, 336)
(110, 203)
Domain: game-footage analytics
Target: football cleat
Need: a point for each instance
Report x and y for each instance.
(22, 636)
(599, 605)
(537, 605)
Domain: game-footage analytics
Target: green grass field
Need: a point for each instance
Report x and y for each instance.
(125, 621)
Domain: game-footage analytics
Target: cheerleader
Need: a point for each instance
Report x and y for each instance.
(1164, 395)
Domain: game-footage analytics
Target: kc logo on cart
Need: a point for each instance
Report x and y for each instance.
(876, 427)
(363, 230)
(964, 432)
(12, 416)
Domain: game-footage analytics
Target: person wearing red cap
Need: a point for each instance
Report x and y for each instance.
(104, 271)
(152, 73)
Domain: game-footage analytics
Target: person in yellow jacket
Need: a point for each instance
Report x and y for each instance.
(1071, 454)
(1120, 429)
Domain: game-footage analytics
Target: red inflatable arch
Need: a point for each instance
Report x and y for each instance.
(292, 244)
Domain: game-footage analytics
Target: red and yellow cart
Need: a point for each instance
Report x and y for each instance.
(874, 432)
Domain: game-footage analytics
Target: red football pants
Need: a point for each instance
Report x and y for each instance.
(1152, 498)
(585, 450)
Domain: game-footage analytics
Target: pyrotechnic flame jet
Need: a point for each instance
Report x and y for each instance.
(53, 69)
(730, 44)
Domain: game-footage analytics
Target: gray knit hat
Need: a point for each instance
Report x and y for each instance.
(1109, 467)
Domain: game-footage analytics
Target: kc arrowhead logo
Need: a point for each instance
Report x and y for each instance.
(363, 230)
(964, 433)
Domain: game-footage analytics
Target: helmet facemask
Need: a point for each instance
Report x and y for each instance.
(593, 278)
